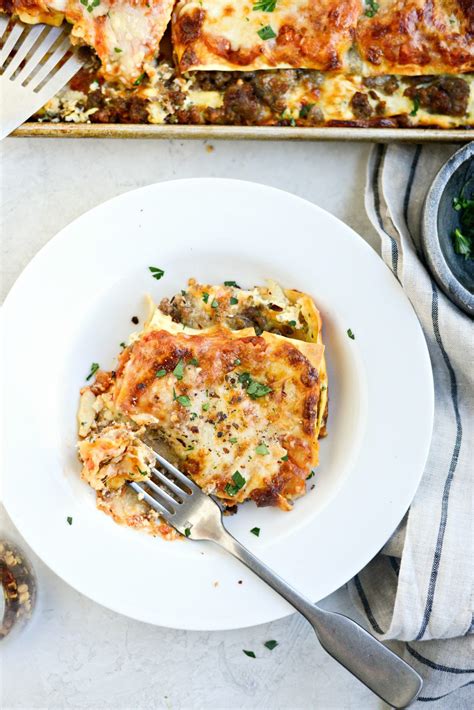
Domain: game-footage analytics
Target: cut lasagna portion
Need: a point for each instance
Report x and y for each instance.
(239, 413)
(263, 34)
(413, 37)
(125, 34)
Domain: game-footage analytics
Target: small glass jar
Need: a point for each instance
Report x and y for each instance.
(17, 589)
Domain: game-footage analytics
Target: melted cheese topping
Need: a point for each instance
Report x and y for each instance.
(415, 37)
(391, 36)
(217, 34)
(239, 413)
(125, 34)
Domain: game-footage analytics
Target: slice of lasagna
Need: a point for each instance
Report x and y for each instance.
(125, 34)
(413, 37)
(230, 384)
(263, 34)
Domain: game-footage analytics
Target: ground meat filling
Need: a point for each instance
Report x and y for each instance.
(122, 110)
(242, 105)
(360, 105)
(448, 96)
(385, 84)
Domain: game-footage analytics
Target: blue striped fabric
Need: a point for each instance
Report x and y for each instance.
(420, 593)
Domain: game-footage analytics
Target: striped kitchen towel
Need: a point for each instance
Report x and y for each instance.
(419, 590)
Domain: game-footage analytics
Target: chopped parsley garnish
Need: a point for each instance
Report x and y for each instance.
(214, 304)
(205, 297)
(255, 531)
(182, 399)
(123, 345)
(206, 406)
(265, 5)
(254, 389)
(239, 482)
(233, 440)
(310, 475)
(463, 236)
(416, 106)
(194, 361)
(94, 367)
(179, 370)
(292, 323)
(90, 5)
(372, 8)
(270, 644)
(350, 334)
(161, 373)
(233, 301)
(142, 473)
(284, 458)
(155, 272)
(117, 50)
(137, 82)
(69, 520)
(251, 654)
(305, 109)
(193, 416)
(236, 361)
(262, 449)
(187, 532)
(231, 283)
(183, 293)
(266, 33)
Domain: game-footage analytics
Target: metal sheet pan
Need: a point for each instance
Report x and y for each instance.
(145, 130)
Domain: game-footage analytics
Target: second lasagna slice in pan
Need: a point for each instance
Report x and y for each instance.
(263, 34)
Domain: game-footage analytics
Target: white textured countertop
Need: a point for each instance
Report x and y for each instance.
(76, 654)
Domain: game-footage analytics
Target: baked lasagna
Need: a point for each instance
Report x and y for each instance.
(230, 384)
(266, 62)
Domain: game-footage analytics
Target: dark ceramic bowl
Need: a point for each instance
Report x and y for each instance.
(453, 273)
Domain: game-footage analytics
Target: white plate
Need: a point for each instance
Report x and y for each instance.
(72, 306)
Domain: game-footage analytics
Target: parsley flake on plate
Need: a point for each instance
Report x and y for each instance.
(255, 531)
(94, 367)
(350, 334)
(231, 283)
(155, 271)
(270, 644)
(250, 654)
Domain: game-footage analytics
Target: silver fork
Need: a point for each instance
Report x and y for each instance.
(197, 516)
(33, 67)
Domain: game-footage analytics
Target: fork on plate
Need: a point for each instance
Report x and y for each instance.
(182, 504)
(34, 66)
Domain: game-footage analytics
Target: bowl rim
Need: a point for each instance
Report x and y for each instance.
(443, 275)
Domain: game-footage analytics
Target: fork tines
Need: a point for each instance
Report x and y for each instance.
(35, 63)
(169, 492)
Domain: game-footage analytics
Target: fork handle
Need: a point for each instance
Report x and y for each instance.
(381, 670)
